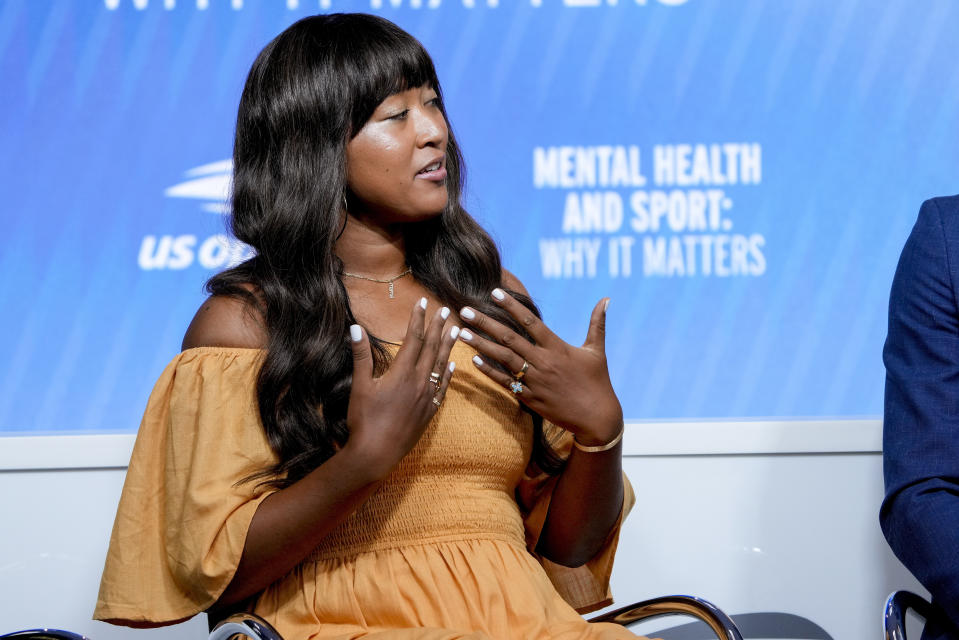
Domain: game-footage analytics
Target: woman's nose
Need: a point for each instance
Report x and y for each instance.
(431, 128)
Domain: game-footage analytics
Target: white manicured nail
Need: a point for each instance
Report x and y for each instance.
(499, 294)
(356, 333)
(455, 331)
(478, 361)
(445, 313)
(467, 313)
(452, 367)
(423, 303)
(606, 306)
(466, 335)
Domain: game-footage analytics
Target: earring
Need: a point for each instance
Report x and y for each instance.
(345, 208)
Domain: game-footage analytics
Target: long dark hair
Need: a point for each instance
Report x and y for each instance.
(308, 93)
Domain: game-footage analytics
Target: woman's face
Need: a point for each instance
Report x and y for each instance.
(396, 164)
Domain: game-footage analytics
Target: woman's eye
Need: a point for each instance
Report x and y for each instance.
(399, 116)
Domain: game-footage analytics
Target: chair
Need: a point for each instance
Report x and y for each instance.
(247, 625)
(720, 624)
(43, 634)
(894, 614)
(244, 625)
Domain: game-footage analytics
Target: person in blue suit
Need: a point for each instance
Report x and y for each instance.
(920, 512)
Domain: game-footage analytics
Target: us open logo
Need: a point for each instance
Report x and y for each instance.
(209, 185)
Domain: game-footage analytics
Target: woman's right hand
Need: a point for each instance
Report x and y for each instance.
(387, 415)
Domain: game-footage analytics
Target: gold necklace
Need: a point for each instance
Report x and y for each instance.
(388, 281)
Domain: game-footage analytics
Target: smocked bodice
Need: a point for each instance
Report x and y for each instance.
(458, 482)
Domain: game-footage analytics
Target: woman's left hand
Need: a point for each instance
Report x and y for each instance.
(567, 385)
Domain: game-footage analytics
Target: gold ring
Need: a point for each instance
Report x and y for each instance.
(522, 372)
(435, 380)
(436, 402)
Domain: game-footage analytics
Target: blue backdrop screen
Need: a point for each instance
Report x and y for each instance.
(738, 177)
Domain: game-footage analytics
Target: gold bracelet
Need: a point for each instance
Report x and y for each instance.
(601, 447)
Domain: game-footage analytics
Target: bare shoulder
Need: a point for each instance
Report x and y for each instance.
(225, 321)
(513, 283)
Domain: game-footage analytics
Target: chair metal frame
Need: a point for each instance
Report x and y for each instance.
(43, 634)
(244, 625)
(720, 623)
(894, 613)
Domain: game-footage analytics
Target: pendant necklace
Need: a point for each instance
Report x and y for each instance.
(388, 281)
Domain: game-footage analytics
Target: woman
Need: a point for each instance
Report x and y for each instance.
(311, 455)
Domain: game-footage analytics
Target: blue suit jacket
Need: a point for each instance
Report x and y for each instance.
(920, 513)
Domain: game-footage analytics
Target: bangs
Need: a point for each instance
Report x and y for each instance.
(383, 60)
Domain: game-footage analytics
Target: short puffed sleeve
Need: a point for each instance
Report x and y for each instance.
(585, 588)
(188, 499)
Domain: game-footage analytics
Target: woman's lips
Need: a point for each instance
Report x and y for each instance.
(435, 175)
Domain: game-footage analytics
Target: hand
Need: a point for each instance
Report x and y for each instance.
(568, 386)
(387, 415)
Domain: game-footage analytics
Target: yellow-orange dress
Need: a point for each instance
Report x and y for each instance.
(439, 551)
